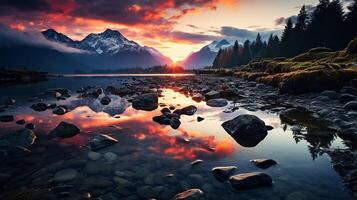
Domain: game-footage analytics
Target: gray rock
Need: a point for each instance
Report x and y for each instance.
(100, 141)
(212, 95)
(223, 173)
(65, 130)
(198, 97)
(110, 156)
(59, 110)
(22, 138)
(148, 102)
(352, 105)
(250, 180)
(188, 110)
(345, 98)
(191, 194)
(94, 155)
(264, 163)
(217, 102)
(65, 175)
(6, 118)
(39, 107)
(330, 94)
(105, 100)
(247, 130)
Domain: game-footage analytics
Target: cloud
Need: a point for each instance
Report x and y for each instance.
(282, 20)
(193, 37)
(245, 34)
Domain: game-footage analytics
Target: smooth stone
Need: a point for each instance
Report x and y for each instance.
(30, 126)
(175, 123)
(110, 156)
(191, 194)
(196, 162)
(105, 100)
(65, 175)
(92, 155)
(199, 119)
(59, 110)
(188, 110)
(65, 130)
(165, 110)
(147, 102)
(352, 105)
(20, 122)
(98, 182)
(162, 119)
(21, 138)
(198, 97)
(217, 102)
(39, 107)
(264, 163)
(250, 180)
(100, 141)
(223, 173)
(212, 95)
(345, 98)
(6, 118)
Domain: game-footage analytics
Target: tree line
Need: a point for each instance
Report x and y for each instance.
(327, 26)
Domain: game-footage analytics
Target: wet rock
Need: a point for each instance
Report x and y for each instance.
(223, 173)
(95, 167)
(105, 100)
(20, 122)
(65, 175)
(98, 182)
(264, 163)
(269, 128)
(198, 97)
(100, 141)
(30, 126)
(196, 162)
(217, 102)
(348, 134)
(345, 98)
(250, 180)
(162, 119)
(172, 107)
(191, 194)
(21, 138)
(199, 119)
(212, 95)
(165, 110)
(189, 110)
(39, 107)
(145, 192)
(94, 155)
(9, 102)
(247, 130)
(175, 122)
(147, 102)
(65, 130)
(110, 156)
(349, 90)
(352, 105)
(6, 118)
(330, 94)
(59, 110)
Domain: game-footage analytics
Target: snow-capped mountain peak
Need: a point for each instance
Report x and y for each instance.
(216, 45)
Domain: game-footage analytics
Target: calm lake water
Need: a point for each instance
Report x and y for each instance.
(147, 151)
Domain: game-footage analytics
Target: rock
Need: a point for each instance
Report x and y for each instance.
(223, 173)
(269, 128)
(212, 95)
(217, 102)
(196, 162)
(147, 102)
(59, 110)
(98, 182)
(344, 98)
(198, 97)
(145, 192)
(264, 163)
(30, 126)
(349, 90)
(352, 105)
(94, 155)
(247, 130)
(100, 141)
(330, 94)
(162, 119)
(9, 102)
(250, 180)
(65, 175)
(188, 110)
(191, 194)
(199, 119)
(21, 138)
(65, 130)
(175, 122)
(6, 118)
(20, 122)
(105, 100)
(165, 110)
(110, 156)
(39, 107)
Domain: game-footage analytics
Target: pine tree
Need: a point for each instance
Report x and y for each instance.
(335, 18)
(235, 55)
(257, 47)
(350, 27)
(246, 53)
(286, 38)
(216, 63)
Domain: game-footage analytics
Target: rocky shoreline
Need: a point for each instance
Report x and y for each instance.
(15, 77)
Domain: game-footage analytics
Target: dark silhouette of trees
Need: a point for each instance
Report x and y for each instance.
(327, 26)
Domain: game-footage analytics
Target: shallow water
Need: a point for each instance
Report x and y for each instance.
(147, 151)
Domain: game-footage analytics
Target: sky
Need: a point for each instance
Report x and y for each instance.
(174, 27)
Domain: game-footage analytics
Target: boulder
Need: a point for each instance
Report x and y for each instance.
(191, 194)
(247, 130)
(217, 102)
(264, 163)
(21, 138)
(100, 141)
(65, 130)
(148, 102)
(6, 118)
(250, 180)
(39, 107)
(188, 110)
(223, 173)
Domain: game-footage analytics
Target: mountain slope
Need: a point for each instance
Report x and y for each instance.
(205, 56)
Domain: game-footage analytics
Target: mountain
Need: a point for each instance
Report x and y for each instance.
(205, 56)
(55, 52)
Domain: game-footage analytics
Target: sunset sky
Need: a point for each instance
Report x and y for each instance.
(174, 27)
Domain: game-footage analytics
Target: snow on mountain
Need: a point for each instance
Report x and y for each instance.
(216, 45)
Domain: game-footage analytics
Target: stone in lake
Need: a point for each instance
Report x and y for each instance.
(65, 130)
(65, 175)
(196, 162)
(21, 138)
(6, 118)
(92, 155)
(110, 156)
(59, 110)
(223, 173)
(191, 194)
(188, 110)
(264, 163)
(247, 130)
(20, 122)
(100, 141)
(9, 102)
(198, 97)
(345, 98)
(250, 181)
(352, 105)
(162, 119)
(199, 119)
(105, 100)
(147, 102)
(30, 126)
(165, 110)
(175, 122)
(212, 95)
(39, 107)
(217, 102)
